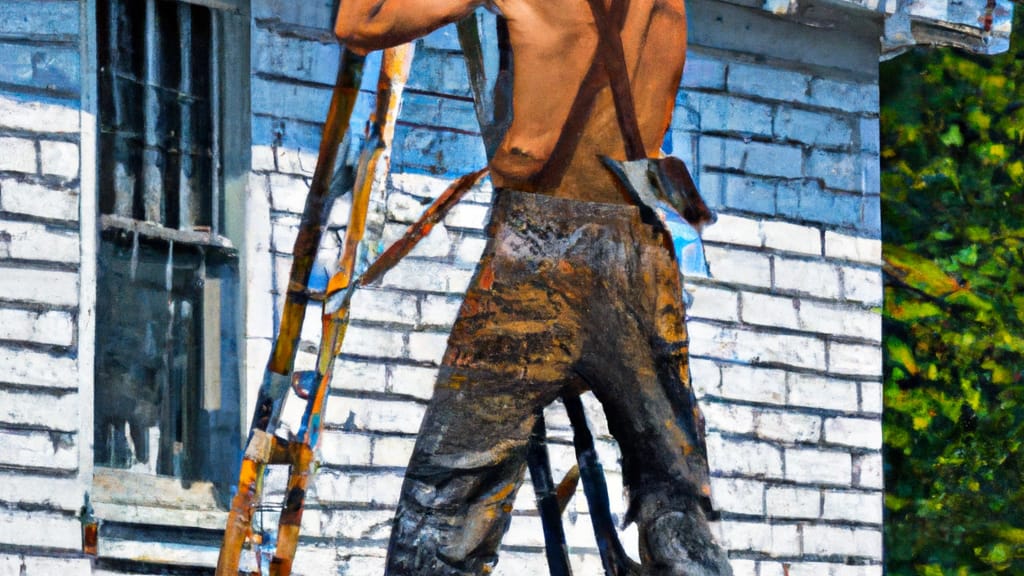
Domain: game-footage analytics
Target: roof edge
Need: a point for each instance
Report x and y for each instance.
(980, 26)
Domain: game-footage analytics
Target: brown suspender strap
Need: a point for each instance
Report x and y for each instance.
(675, 183)
(550, 175)
(613, 57)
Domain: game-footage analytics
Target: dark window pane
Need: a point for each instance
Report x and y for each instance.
(148, 354)
(168, 44)
(129, 40)
(151, 413)
(200, 98)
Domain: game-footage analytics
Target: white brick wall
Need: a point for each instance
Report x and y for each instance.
(815, 465)
(738, 495)
(39, 450)
(33, 409)
(39, 298)
(40, 242)
(748, 384)
(790, 502)
(810, 277)
(772, 540)
(786, 332)
(19, 155)
(34, 286)
(58, 159)
(41, 488)
(43, 201)
(41, 566)
(37, 489)
(31, 529)
(863, 507)
(840, 541)
(744, 457)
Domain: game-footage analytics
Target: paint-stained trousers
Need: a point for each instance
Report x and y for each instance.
(566, 291)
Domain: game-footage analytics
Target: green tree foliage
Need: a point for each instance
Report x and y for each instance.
(953, 221)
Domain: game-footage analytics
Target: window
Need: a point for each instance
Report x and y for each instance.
(167, 399)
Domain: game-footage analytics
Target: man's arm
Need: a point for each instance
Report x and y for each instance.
(365, 25)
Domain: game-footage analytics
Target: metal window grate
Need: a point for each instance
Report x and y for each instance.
(159, 114)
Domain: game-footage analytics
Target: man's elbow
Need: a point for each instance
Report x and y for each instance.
(375, 25)
(356, 36)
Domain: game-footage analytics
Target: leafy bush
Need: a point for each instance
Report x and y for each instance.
(953, 226)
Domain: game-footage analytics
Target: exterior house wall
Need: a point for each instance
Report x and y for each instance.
(777, 118)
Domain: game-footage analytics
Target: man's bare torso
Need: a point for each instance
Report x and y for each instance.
(553, 44)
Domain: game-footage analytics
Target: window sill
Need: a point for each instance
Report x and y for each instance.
(137, 498)
(156, 231)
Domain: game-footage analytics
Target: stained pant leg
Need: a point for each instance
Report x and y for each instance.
(636, 360)
(507, 358)
(462, 478)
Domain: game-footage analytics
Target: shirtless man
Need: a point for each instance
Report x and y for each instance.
(574, 287)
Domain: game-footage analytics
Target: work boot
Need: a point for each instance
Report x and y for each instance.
(676, 541)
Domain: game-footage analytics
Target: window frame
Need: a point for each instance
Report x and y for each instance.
(121, 495)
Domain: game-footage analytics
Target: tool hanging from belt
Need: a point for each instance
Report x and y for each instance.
(650, 181)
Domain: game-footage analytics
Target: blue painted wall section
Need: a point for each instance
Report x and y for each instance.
(39, 43)
(768, 141)
(437, 131)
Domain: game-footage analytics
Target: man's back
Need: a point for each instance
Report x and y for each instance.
(553, 44)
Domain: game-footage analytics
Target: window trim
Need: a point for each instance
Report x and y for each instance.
(126, 496)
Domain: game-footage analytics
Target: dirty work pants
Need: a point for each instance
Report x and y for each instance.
(565, 291)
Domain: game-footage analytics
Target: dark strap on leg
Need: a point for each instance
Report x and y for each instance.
(613, 557)
(547, 500)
